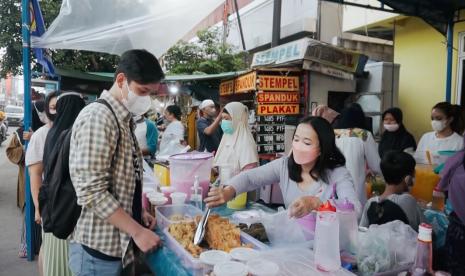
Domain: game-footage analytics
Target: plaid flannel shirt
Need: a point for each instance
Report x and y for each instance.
(103, 178)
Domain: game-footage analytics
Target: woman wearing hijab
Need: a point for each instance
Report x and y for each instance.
(55, 251)
(395, 136)
(358, 147)
(452, 181)
(237, 148)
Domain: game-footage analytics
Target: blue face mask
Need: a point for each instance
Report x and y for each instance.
(227, 127)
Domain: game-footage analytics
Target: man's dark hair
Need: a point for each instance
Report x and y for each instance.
(330, 156)
(140, 66)
(396, 165)
(175, 111)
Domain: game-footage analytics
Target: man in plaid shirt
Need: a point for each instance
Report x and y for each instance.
(105, 165)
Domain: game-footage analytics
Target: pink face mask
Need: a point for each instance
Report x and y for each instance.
(304, 154)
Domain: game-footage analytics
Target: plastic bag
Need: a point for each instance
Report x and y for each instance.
(296, 261)
(386, 247)
(439, 222)
(283, 231)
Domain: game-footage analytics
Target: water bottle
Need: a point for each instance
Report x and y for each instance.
(424, 258)
(327, 255)
(196, 194)
(348, 227)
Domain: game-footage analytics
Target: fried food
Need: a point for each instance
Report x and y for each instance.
(184, 234)
(221, 234)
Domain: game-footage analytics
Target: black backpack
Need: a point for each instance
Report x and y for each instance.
(57, 196)
(384, 212)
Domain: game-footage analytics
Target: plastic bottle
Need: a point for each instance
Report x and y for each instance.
(327, 254)
(196, 194)
(348, 228)
(423, 264)
(438, 199)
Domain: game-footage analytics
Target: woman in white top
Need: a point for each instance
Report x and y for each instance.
(237, 148)
(173, 136)
(358, 146)
(34, 158)
(447, 122)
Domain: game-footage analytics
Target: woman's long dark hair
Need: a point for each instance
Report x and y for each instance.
(330, 156)
(453, 111)
(38, 106)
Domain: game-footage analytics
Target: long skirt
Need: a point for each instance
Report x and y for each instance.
(55, 256)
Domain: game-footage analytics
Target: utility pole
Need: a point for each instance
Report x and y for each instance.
(276, 33)
(26, 36)
(236, 7)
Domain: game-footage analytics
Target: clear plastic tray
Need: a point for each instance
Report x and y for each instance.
(194, 264)
(164, 213)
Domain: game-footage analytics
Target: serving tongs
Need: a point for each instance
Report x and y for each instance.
(200, 231)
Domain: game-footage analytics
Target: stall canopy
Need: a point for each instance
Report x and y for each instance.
(114, 26)
(437, 13)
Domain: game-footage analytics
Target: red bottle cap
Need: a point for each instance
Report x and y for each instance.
(327, 207)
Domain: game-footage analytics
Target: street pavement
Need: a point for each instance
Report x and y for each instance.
(10, 221)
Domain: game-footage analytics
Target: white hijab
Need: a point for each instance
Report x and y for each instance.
(238, 149)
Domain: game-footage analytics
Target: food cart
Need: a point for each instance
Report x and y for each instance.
(286, 83)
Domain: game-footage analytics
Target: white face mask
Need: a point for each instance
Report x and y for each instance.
(438, 126)
(137, 105)
(42, 116)
(391, 128)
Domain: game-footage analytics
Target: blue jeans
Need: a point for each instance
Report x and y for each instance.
(82, 263)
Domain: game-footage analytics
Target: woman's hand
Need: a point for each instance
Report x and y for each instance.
(304, 205)
(37, 217)
(27, 134)
(218, 196)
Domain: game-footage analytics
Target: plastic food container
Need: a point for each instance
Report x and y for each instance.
(214, 257)
(178, 198)
(231, 269)
(164, 214)
(260, 267)
(244, 254)
(194, 264)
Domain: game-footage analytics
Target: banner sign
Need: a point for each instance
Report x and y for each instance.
(277, 109)
(278, 83)
(288, 52)
(277, 97)
(245, 83)
(227, 88)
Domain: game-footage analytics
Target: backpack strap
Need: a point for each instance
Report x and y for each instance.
(105, 103)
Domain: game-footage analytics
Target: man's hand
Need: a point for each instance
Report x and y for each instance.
(146, 240)
(149, 221)
(304, 205)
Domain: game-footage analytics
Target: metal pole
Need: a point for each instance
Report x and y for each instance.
(26, 35)
(276, 33)
(236, 7)
(450, 41)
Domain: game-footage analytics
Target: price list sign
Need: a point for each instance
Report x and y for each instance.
(270, 134)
